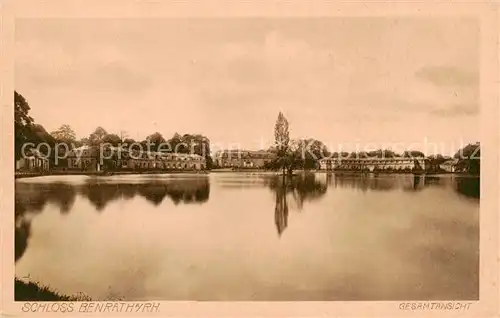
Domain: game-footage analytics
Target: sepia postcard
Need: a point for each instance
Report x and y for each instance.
(250, 159)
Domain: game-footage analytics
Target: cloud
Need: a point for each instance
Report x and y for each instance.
(442, 91)
(225, 77)
(442, 76)
(457, 110)
(51, 66)
(108, 78)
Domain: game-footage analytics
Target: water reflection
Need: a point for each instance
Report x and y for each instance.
(306, 187)
(31, 198)
(179, 191)
(302, 187)
(469, 187)
(375, 182)
(281, 207)
(22, 234)
(464, 185)
(351, 228)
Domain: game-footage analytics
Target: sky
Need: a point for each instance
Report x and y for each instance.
(349, 82)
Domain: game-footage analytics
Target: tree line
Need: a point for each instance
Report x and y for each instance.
(305, 153)
(27, 131)
(291, 154)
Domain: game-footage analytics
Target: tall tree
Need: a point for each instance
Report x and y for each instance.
(176, 143)
(112, 139)
(64, 134)
(83, 142)
(309, 151)
(97, 136)
(25, 130)
(469, 159)
(382, 153)
(123, 135)
(129, 141)
(37, 134)
(22, 121)
(413, 154)
(282, 139)
(21, 110)
(156, 140)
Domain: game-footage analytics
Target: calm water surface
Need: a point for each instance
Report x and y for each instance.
(251, 236)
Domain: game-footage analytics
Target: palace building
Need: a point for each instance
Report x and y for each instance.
(113, 158)
(238, 158)
(373, 164)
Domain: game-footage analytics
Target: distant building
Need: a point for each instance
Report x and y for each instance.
(113, 158)
(33, 162)
(449, 165)
(372, 164)
(85, 158)
(239, 158)
(162, 161)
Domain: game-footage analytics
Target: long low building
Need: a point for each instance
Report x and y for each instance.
(372, 164)
(238, 158)
(112, 158)
(33, 161)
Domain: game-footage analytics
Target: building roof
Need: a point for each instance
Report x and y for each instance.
(450, 162)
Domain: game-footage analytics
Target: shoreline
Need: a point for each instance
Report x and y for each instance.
(21, 175)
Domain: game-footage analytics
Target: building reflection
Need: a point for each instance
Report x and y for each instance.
(465, 185)
(31, 198)
(373, 182)
(301, 188)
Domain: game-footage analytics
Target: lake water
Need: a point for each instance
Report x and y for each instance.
(251, 236)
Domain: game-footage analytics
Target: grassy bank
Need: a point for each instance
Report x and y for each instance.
(33, 291)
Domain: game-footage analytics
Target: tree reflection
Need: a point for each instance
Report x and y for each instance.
(468, 186)
(32, 198)
(281, 207)
(22, 233)
(301, 188)
(417, 179)
(179, 191)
